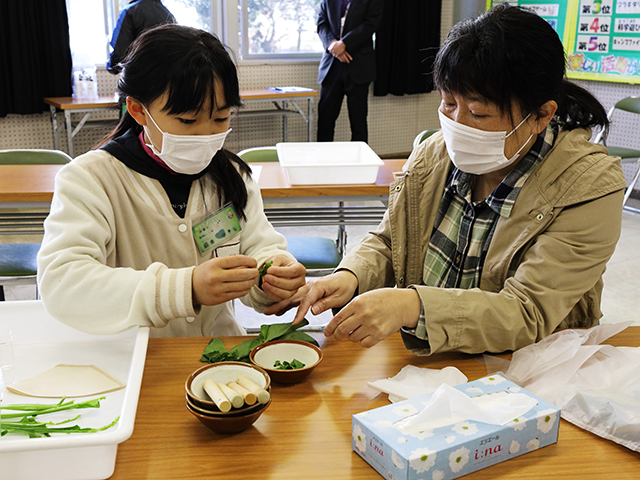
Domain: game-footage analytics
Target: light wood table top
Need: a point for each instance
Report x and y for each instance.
(75, 103)
(27, 183)
(35, 183)
(110, 101)
(274, 183)
(306, 431)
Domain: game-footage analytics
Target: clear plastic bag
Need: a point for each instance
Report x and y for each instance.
(596, 386)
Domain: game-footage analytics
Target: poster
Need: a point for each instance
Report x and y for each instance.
(601, 37)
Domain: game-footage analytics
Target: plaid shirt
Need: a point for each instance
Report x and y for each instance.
(463, 229)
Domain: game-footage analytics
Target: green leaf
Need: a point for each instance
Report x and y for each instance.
(215, 350)
(300, 336)
(264, 268)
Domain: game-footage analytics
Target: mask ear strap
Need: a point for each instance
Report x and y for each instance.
(154, 122)
(519, 125)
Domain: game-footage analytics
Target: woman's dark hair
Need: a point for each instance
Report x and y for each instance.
(187, 64)
(511, 54)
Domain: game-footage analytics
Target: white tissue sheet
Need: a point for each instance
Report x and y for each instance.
(596, 386)
(452, 404)
(414, 381)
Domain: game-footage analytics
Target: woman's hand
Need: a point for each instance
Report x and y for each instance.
(373, 316)
(332, 291)
(283, 278)
(222, 279)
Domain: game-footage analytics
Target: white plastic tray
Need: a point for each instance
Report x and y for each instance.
(328, 163)
(40, 343)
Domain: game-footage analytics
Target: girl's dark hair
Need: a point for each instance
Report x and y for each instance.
(511, 54)
(188, 64)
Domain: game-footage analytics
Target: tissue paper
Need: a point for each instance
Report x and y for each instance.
(449, 406)
(414, 381)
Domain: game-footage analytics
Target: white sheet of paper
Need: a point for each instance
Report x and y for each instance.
(67, 381)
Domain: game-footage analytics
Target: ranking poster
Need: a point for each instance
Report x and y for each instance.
(601, 37)
(555, 12)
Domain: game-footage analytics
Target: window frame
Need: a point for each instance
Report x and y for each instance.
(225, 14)
(233, 12)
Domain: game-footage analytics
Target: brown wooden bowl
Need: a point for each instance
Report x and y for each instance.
(222, 372)
(266, 354)
(229, 424)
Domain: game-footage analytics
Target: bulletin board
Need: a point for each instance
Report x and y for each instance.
(601, 37)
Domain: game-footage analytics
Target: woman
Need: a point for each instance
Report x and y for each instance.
(161, 226)
(499, 231)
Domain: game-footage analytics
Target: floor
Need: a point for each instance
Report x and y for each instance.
(620, 298)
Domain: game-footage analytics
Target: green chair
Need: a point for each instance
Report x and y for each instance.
(423, 135)
(319, 255)
(627, 155)
(18, 264)
(33, 157)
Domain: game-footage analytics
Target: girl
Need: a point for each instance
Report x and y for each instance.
(161, 226)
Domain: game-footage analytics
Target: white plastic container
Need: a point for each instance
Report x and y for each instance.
(329, 163)
(40, 343)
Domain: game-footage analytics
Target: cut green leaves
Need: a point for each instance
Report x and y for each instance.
(293, 365)
(263, 272)
(25, 421)
(215, 351)
(264, 268)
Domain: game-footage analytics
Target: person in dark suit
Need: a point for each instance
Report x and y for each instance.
(135, 18)
(348, 66)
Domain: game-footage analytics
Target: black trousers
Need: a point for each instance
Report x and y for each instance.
(335, 86)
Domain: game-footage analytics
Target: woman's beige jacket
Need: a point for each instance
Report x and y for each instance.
(562, 230)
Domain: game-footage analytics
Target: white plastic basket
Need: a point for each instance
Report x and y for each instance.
(329, 163)
(40, 343)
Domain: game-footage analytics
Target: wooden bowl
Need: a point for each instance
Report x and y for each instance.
(265, 356)
(222, 372)
(229, 423)
(203, 409)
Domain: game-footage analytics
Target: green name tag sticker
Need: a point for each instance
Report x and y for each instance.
(216, 228)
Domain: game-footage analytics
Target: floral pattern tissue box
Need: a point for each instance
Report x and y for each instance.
(454, 449)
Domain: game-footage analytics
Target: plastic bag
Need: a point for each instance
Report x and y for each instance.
(596, 386)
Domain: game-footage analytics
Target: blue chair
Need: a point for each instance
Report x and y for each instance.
(18, 264)
(319, 255)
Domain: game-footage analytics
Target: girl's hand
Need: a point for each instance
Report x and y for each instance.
(332, 291)
(283, 278)
(222, 279)
(373, 316)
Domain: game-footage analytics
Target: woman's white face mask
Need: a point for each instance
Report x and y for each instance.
(477, 151)
(187, 154)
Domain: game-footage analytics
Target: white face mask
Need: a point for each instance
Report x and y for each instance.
(188, 154)
(477, 151)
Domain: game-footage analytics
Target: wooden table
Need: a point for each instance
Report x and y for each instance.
(306, 431)
(32, 186)
(89, 106)
(69, 105)
(281, 100)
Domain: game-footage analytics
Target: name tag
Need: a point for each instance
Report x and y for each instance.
(216, 228)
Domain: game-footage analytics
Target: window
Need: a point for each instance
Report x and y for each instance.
(279, 29)
(254, 29)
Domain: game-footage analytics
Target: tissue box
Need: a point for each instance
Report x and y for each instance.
(453, 450)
